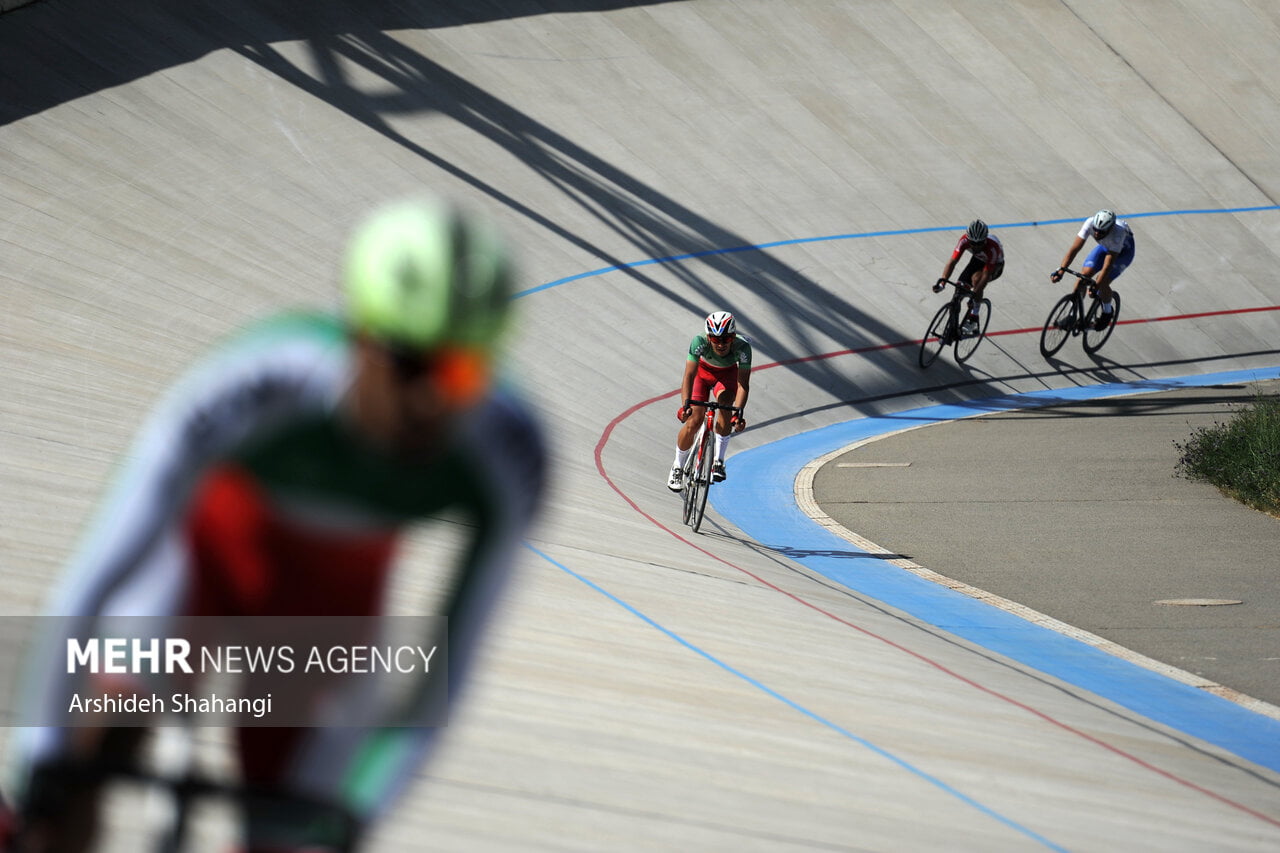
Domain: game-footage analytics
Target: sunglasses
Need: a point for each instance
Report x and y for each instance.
(458, 375)
(720, 339)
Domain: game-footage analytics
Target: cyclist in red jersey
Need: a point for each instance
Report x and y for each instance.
(984, 267)
(717, 366)
(276, 480)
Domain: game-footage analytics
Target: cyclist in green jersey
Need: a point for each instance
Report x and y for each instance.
(276, 480)
(719, 365)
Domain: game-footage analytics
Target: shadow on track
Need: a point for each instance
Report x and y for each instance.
(64, 49)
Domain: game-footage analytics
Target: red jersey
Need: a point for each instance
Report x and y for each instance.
(990, 254)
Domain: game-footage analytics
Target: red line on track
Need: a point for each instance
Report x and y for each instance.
(608, 431)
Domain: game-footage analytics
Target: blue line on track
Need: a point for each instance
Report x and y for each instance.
(759, 247)
(762, 504)
(884, 753)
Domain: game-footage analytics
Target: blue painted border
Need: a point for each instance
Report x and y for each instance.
(762, 504)
(799, 241)
(769, 691)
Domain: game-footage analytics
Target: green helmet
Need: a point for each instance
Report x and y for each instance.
(422, 274)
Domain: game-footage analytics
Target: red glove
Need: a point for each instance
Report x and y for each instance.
(682, 413)
(738, 423)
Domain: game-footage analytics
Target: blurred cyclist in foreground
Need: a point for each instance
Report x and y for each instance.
(717, 366)
(277, 479)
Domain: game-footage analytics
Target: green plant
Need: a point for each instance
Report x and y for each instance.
(1241, 457)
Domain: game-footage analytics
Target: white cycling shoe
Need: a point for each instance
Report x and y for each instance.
(675, 482)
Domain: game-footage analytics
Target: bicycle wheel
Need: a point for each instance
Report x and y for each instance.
(1094, 339)
(1059, 325)
(966, 344)
(706, 450)
(935, 338)
(690, 488)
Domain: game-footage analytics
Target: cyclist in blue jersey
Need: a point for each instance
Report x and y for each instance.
(276, 480)
(1110, 258)
(718, 366)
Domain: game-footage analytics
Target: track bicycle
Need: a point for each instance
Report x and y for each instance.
(697, 468)
(1069, 318)
(946, 328)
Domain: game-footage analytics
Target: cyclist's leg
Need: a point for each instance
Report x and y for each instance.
(1119, 264)
(1093, 262)
(724, 427)
(702, 387)
(972, 278)
(980, 282)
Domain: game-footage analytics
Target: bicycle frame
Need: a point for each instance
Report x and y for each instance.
(1069, 317)
(697, 468)
(944, 329)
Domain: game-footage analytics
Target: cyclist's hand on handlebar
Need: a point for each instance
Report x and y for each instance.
(738, 423)
(940, 285)
(682, 413)
(1056, 275)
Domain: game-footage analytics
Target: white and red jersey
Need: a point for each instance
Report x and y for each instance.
(991, 254)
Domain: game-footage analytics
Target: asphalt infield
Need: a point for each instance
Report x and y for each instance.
(1074, 509)
(1063, 510)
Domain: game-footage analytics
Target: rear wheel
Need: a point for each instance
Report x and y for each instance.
(1094, 339)
(966, 344)
(1058, 326)
(935, 338)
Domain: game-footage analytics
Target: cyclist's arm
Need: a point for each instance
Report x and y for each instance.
(1076, 245)
(744, 387)
(686, 381)
(508, 460)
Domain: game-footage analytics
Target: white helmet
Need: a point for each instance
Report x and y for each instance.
(721, 323)
(1103, 221)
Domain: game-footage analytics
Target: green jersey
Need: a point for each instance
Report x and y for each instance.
(739, 353)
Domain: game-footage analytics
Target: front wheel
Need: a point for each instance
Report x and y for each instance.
(935, 338)
(966, 344)
(702, 475)
(1059, 326)
(1094, 339)
(690, 481)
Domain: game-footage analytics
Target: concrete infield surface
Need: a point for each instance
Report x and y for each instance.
(170, 172)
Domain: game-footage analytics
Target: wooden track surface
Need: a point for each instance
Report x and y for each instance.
(167, 175)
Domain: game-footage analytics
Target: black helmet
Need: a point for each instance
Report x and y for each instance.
(977, 232)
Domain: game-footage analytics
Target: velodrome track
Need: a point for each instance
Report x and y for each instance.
(168, 176)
